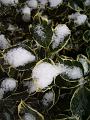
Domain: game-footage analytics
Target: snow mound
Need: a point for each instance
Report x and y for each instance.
(18, 57)
(61, 31)
(43, 74)
(8, 84)
(78, 18)
(73, 72)
(26, 14)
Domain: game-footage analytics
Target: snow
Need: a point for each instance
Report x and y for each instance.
(8, 84)
(29, 116)
(78, 18)
(87, 3)
(18, 57)
(32, 4)
(43, 74)
(43, 2)
(48, 98)
(61, 31)
(73, 72)
(55, 3)
(9, 2)
(4, 43)
(26, 14)
(39, 30)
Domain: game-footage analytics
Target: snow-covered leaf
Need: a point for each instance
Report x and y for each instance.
(42, 33)
(26, 112)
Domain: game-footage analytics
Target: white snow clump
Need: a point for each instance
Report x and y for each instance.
(61, 31)
(55, 3)
(26, 14)
(78, 18)
(9, 2)
(73, 72)
(18, 57)
(8, 84)
(4, 43)
(32, 4)
(43, 74)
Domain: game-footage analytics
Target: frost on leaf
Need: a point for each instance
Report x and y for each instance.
(60, 33)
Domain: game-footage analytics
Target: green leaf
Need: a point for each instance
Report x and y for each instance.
(76, 5)
(80, 103)
(88, 52)
(86, 36)
(26, 112)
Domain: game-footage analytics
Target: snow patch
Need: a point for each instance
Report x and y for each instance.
(43, 74)
(78, 18)
(26, 14)
(18, 57)
(61, 31)
(31, 86)
(32, 4)
(48, 98)
(29, 116)
(8, 84)
(55, 3)
(9, 2)
(73, 72)
(4, 43)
